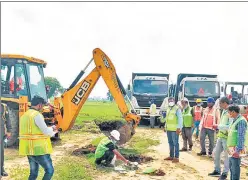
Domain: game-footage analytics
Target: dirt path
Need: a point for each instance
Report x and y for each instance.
(190, 166)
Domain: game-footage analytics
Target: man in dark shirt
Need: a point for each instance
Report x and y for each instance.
(106, 151)
(5, 122)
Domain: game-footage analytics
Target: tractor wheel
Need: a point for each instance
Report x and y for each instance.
(14, 120)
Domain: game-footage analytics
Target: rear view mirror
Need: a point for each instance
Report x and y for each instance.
(222, 89)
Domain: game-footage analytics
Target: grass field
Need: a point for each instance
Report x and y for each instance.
(83, 167)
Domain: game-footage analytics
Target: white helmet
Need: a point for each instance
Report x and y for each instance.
(115, 134)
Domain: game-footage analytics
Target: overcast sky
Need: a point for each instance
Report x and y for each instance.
(138, 37)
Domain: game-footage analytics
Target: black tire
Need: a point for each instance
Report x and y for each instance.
(14, 120)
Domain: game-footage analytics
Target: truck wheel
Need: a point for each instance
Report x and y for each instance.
(14, 120)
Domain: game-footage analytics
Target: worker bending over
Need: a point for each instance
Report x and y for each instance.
(173, 126)
(237, 140)
(221, 145)
(197, 112)
(210, 118)
(106, 152)
(35, 142)
(187, 125)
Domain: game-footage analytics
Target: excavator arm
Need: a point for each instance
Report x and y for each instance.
(75, 96)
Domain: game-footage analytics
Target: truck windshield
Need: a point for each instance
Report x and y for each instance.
(202, 88)
(36, 80)
(150, 86)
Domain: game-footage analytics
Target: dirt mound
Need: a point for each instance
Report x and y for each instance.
(159, 172)
(109, 125)
(84, 150)
(138, 158)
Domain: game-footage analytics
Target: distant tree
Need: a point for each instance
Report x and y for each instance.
(54, 84)
(109, 95)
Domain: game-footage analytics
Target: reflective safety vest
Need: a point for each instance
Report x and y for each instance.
(209, 118)
(224, 120)
(153, 109)
(171, 119)
(32, 140)
(197, 113)
(101, 148)
(187, 117)
(232, 138)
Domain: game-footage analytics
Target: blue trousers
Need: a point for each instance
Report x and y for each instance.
(196, 126)
(45, 161)
(173, 143)
(234, 165)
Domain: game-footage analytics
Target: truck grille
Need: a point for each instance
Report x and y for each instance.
(144, 101)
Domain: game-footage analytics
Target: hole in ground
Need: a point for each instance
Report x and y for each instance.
(138, 158)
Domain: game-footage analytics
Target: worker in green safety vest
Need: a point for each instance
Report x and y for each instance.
(221, 145)
(188, 123)
(35, 142)
(237, 140)
(173, 126)
(106, 152)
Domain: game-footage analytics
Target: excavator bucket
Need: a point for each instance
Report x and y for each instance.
(125, 133)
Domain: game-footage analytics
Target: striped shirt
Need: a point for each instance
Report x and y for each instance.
(241, 129)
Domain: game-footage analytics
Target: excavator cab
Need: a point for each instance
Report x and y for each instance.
(21, 76)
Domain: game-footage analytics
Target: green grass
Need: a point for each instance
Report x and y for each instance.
(72, 167)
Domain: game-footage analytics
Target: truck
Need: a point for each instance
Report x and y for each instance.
(145, 87)
(196, 86)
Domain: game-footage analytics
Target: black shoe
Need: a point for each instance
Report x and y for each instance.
(214, 174)
(190, 148)
(4, 173)
(183, 149)
(223, 176)
(202, 154)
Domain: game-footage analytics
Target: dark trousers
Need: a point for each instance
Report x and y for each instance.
(2, 155)
(187, 137)
(234, 165)
(45, 161)
(107, 157)
(210, 133)
(173, 143)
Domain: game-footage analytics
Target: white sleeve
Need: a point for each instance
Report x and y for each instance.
(40, 122)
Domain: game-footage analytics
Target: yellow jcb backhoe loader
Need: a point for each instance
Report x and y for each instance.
(22, 78)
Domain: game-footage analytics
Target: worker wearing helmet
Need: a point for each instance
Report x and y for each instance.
(35, 142)
(188, 123)
(152, 113)
(211, 117)
(197, 112)
(106, 151)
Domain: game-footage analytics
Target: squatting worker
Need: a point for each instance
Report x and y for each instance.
(211, 117)
(221, 145)
(173, 126)
(6, 124)
(237, 140)
(188, 123)
(35, 140)
(106, 152)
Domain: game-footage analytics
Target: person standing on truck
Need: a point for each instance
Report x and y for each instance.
(221, 145)
(237, 143)
(188, 123)
(211, 117)
(35, 142)
(152, 113)
(198, 112)
(173, 126)
(6, 133)
(106, 151)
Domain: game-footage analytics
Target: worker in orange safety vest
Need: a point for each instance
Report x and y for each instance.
(198, 112)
